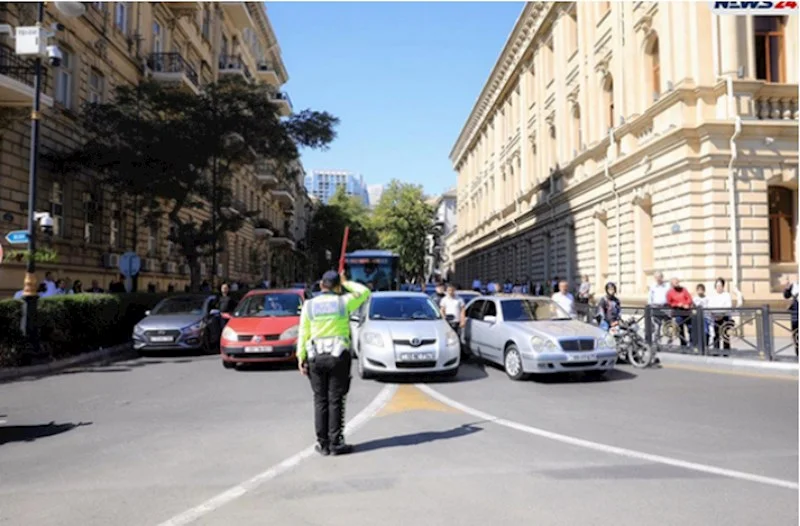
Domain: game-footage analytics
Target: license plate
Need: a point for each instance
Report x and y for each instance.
(161, 339)
(258, 348)
(417, 356)
(582, 357)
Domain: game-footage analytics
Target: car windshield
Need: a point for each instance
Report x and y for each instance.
(403, 308)
(181, 305)
(532, 310)
(277, 305)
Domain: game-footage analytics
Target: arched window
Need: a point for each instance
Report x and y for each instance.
(655, 67)
(769, 48)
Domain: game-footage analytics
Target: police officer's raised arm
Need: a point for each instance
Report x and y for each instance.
(304, 334)
(356, 295)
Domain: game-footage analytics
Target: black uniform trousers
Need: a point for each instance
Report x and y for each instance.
(330, 381)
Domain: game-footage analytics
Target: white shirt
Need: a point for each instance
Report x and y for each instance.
(719, 301)
(452, 306)
(658, 294)
(566, 302)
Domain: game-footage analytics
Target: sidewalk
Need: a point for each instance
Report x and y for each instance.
(731, 364)
(111, 354)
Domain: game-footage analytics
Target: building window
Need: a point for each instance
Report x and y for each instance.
(206, 27)
(64, 80)
(782, 221)
(57, 208)
(114, 239)
(89, 217)
(152, 240)
(769, 44)
(97, 84)
(158, 38)
(577, 137)
(655, 68)
(121, 16)
(608, 94)
(173, 234)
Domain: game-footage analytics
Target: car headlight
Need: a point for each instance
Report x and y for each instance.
(290, 333)
(607, 342)
(195, 327)
(543, 345)
(452, 339)
(229, 334)
(373, 338)
(138, 330)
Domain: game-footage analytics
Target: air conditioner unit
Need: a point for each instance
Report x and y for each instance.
(110, 260)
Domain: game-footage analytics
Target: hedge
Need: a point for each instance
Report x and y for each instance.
(74, 324)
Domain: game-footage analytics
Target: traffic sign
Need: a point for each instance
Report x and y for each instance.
(130, 264)
(17, 237)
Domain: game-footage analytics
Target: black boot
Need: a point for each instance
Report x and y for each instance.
(341, 448)
(322, 449)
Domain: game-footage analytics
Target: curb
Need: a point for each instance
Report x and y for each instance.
(108, 355)
(715, 363)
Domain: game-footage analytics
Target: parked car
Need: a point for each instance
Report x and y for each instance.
(467, 295)
(403, 333)
(533, 335)
(263, 328)
(180, 323)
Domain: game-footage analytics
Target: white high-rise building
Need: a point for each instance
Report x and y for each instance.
(374, 192)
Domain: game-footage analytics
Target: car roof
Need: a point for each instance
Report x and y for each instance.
(511, 297)
(399, 294)
(263, 292)
(371, 253)
(188, 296)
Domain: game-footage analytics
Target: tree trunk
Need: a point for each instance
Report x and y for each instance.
(194, 273)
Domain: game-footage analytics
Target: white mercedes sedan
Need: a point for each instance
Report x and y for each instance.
(403, 333)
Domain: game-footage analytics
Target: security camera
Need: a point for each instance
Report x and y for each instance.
(54, 56)
(45, 223)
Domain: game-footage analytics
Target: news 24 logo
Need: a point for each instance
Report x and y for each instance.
(754, 8)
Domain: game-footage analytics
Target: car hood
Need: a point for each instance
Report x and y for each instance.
(266, 325)
(408, 330)
(560, 330)
(168, 321)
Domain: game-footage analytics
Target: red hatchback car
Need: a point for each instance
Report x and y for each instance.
(263, 328)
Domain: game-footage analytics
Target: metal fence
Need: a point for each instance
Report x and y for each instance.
(752, 332)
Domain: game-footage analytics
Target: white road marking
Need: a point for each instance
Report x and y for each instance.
(3, 422)
(605, 448)
(214, 503)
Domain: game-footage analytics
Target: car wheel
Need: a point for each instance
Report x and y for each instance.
(363, 373)
(229, 365)
(513, 363)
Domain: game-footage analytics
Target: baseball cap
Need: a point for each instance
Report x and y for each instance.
(331, 279)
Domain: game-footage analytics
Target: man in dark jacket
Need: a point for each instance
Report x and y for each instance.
(791, 291)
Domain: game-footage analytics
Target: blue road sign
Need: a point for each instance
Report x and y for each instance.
(130, 264)
(17, 237)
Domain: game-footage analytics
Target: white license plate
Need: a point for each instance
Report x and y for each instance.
(162, 339)
(582, 357)
(417, 356)
(258, 348)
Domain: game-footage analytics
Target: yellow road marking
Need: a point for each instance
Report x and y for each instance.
(409, 398)
(731, 373)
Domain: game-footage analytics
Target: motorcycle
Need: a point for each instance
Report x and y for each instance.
(631, 347)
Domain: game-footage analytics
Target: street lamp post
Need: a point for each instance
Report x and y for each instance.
(30, 295)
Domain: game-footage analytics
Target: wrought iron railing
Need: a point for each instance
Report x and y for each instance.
(234, 63)
(19, 68)
(172, 63)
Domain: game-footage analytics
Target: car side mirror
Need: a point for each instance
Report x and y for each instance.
(147, 313)
(226, 315)
(490, 319)
(355, 317)
(215, 312)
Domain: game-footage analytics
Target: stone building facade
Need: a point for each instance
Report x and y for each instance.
(183, 44)
(616, 139)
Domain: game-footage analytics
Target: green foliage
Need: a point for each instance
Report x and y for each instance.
(42, 255)
(326, 230)
(403, 219)
(173, 151)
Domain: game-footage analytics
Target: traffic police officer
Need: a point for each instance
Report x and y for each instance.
(323, 353)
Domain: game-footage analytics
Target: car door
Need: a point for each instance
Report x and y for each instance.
(491, 332)
(213, 323)
(356, 323)
(473, 314)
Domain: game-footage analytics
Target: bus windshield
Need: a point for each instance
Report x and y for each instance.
(376, 273)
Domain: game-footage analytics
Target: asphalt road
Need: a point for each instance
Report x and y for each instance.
(165, 442)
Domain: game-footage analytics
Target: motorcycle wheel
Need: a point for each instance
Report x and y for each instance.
(640, 355)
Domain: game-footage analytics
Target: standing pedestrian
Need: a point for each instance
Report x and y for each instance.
(657, 299)
(792, 291)
(681, 303)
(585, 290)
(701, 301)
(721, 299)
(323, 354)
(564, 299)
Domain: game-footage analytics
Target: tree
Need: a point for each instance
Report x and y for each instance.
(403, 220)
(177, 151)
(326, 230)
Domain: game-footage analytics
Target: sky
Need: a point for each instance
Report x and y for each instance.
(402, 77)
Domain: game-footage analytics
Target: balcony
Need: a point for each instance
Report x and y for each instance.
(237, 206)
(284, 197)
(263, 228)
(239, 14)
(234, 65)
(173, 70)
(16, 80)
(180, 9)
(265, 173)
(284, 103)
(267, 73)
(283, 237)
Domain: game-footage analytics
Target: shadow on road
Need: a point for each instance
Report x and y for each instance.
(467, 372)
(260, 367)
(415, 439)
(130, 365)
(10, 434)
